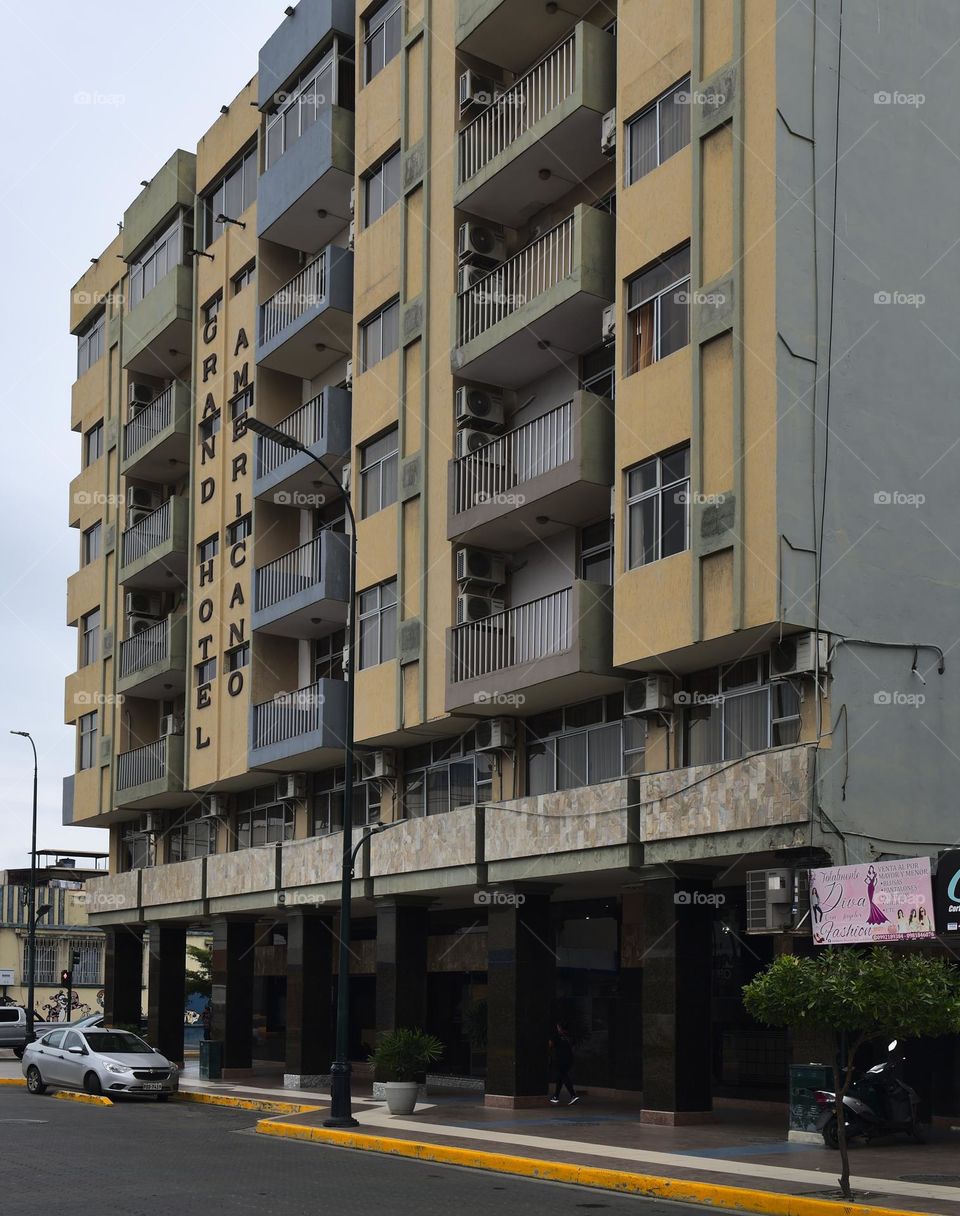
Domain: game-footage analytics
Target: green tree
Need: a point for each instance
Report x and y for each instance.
(200, 978)
(859, 997)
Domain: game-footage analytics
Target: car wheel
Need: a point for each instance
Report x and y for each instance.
(163, 1097)
(35, 1082)
(91, 1084)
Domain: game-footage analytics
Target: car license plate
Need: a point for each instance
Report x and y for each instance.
(152, 1085)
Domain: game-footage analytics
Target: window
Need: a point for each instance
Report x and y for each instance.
(379, 335)
(328, 656)
(230, 195)
(212, 308)
(658, 508)
(382, 30)
(208, 549)
(90, 344)
(206, 671)
(326, 802)
(238, 657)
(240, 530)
(734, 710)
(159, 257)
(381, 188)
(87, 730)
(328, 83)
(442, 776)
(378, 624)
(90, 637)
(658, 310)
(579, 745)
(193, 835)
(262, 819)
(241, 404)
(597, 371)
(378, 474)
(89, 970)
(244, 277)
(658, 132)
(137, 849)
(209, 427)
(90, 544)
(93, 445)
(596, 552)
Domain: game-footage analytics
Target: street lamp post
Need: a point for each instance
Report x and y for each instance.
(341, 1114)
(32, 906)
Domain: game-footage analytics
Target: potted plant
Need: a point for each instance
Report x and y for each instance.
(402, 1055)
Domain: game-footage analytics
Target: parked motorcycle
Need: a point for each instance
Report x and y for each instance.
(878, 1104)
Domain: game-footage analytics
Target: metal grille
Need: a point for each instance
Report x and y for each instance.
(151, 531)
(304, 424)
(286, 575)
(304, 291)
(143, 764)
(90, 968)
(288, 716)
(148, 423)
(519, 635)
(509, 460)
(146, 648)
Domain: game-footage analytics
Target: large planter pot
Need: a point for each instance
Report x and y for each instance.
(401, 1097)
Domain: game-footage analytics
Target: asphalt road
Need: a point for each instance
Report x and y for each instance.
(181, 1159)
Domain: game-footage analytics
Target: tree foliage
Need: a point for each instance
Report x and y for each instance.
(200, 977)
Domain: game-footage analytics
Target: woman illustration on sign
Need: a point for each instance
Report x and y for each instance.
(923, 925)
(901, 921)
(877, 915)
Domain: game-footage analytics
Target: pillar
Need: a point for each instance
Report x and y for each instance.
(401, 965)
(676, 925)
(310, 1021)
(167, 989)
(521, 981)
(231, 1004)
(123, 976)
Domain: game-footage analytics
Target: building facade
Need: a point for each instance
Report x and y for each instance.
(592, 310)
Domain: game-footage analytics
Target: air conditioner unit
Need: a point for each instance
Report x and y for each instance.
(608, 133)
(479, 566)
(348, 375)
(472, 608)
(353, 201)
(770, 897)
(171, 724)
(345, 475)
(476, 91)
(480, 243)
(479, 405)
(608, 325)
(470, 276)
(352, 235)
(151, 821)
(136, 514)
(495, 734)
(652, 694)
(470, 441)
(143, 497)
(381, 763)
(800, 654)
(144, 603)
(139, 624)
(213, 806)
(290, 786)
(139, 395)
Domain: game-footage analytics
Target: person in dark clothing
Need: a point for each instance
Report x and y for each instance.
(563, 1063)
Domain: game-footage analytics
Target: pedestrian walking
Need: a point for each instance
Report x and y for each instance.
(562, 1048)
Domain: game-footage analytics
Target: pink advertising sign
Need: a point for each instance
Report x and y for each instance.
(883, 901)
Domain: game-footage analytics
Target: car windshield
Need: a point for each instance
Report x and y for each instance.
(117, 1043)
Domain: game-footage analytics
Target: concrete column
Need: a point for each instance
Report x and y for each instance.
(521, 981)
(676, 1027)
(310, 1018)
(231, 1004)
(166, 989)
(401, 965)
(123, 975)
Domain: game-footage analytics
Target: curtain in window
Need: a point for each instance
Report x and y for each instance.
(605, 748)
(571, 761)
(745, 723)
(539, 768)
(643, 145)
(705, 737)
(674, 123)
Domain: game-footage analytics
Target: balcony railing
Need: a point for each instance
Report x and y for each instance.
(305, 290)
(145, 649)
(529, 99)
(142, 765)
(541, 265)
(288, 716)
(304, 424)
(519, 635)
(509, 460)
(145, 535)
(149, 423)
(286, 575)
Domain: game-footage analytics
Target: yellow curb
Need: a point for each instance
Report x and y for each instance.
(12, 1081)
(267, 1105)
(738, 1199)
(69, 1095)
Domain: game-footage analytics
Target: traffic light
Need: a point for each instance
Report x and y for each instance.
(66, 978)
(76, 958)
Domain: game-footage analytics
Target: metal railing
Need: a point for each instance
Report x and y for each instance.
(144, 649)
(304, 424)
(145, 535)
(305, 290)
(534, 270)
(286, 575)
(148, 423)
(528, 99)
(489, 473)
(523, 634)
(288, 715)
(143, 764)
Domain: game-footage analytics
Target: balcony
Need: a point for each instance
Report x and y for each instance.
(549, 119)
(308, 324)
(300, 730)
(304, 593)
(153, 662)
(514, 33)
(153, 552)
(151, 776)
(559, 465)
(156, 332)
(550, 651)
(158, 437)
(550, 294)
(322, 425)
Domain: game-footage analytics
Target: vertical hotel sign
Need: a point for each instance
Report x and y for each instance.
(882, 901)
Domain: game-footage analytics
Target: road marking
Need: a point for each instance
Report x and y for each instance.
(24, 1120)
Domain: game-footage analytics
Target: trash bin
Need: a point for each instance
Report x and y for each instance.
(805, 1080)
(211, 1060)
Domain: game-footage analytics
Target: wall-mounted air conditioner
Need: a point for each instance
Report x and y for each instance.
(472, 608)
(151, 821)
(352, 234)
(651, 694)
(213, 806)
(476, 404)
(291, 786)
(480, 244)
(377, 764)
(608, 325)
(171, 724)
(469, 276)
(479, 566)
(145, 498)
(769, 900)
(144, 603)
(348, 376)
(800, 654)
(139, 395)
(470, 441)
(495, 734)
(475, 92)
(608, 133)
(139, 624)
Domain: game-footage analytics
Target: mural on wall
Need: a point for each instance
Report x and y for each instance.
(55, 1007)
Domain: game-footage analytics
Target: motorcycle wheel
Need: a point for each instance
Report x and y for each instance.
(830, 1133)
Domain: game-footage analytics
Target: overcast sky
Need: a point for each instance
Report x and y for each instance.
(98, 96)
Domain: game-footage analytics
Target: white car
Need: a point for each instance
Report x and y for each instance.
(98, 1062)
